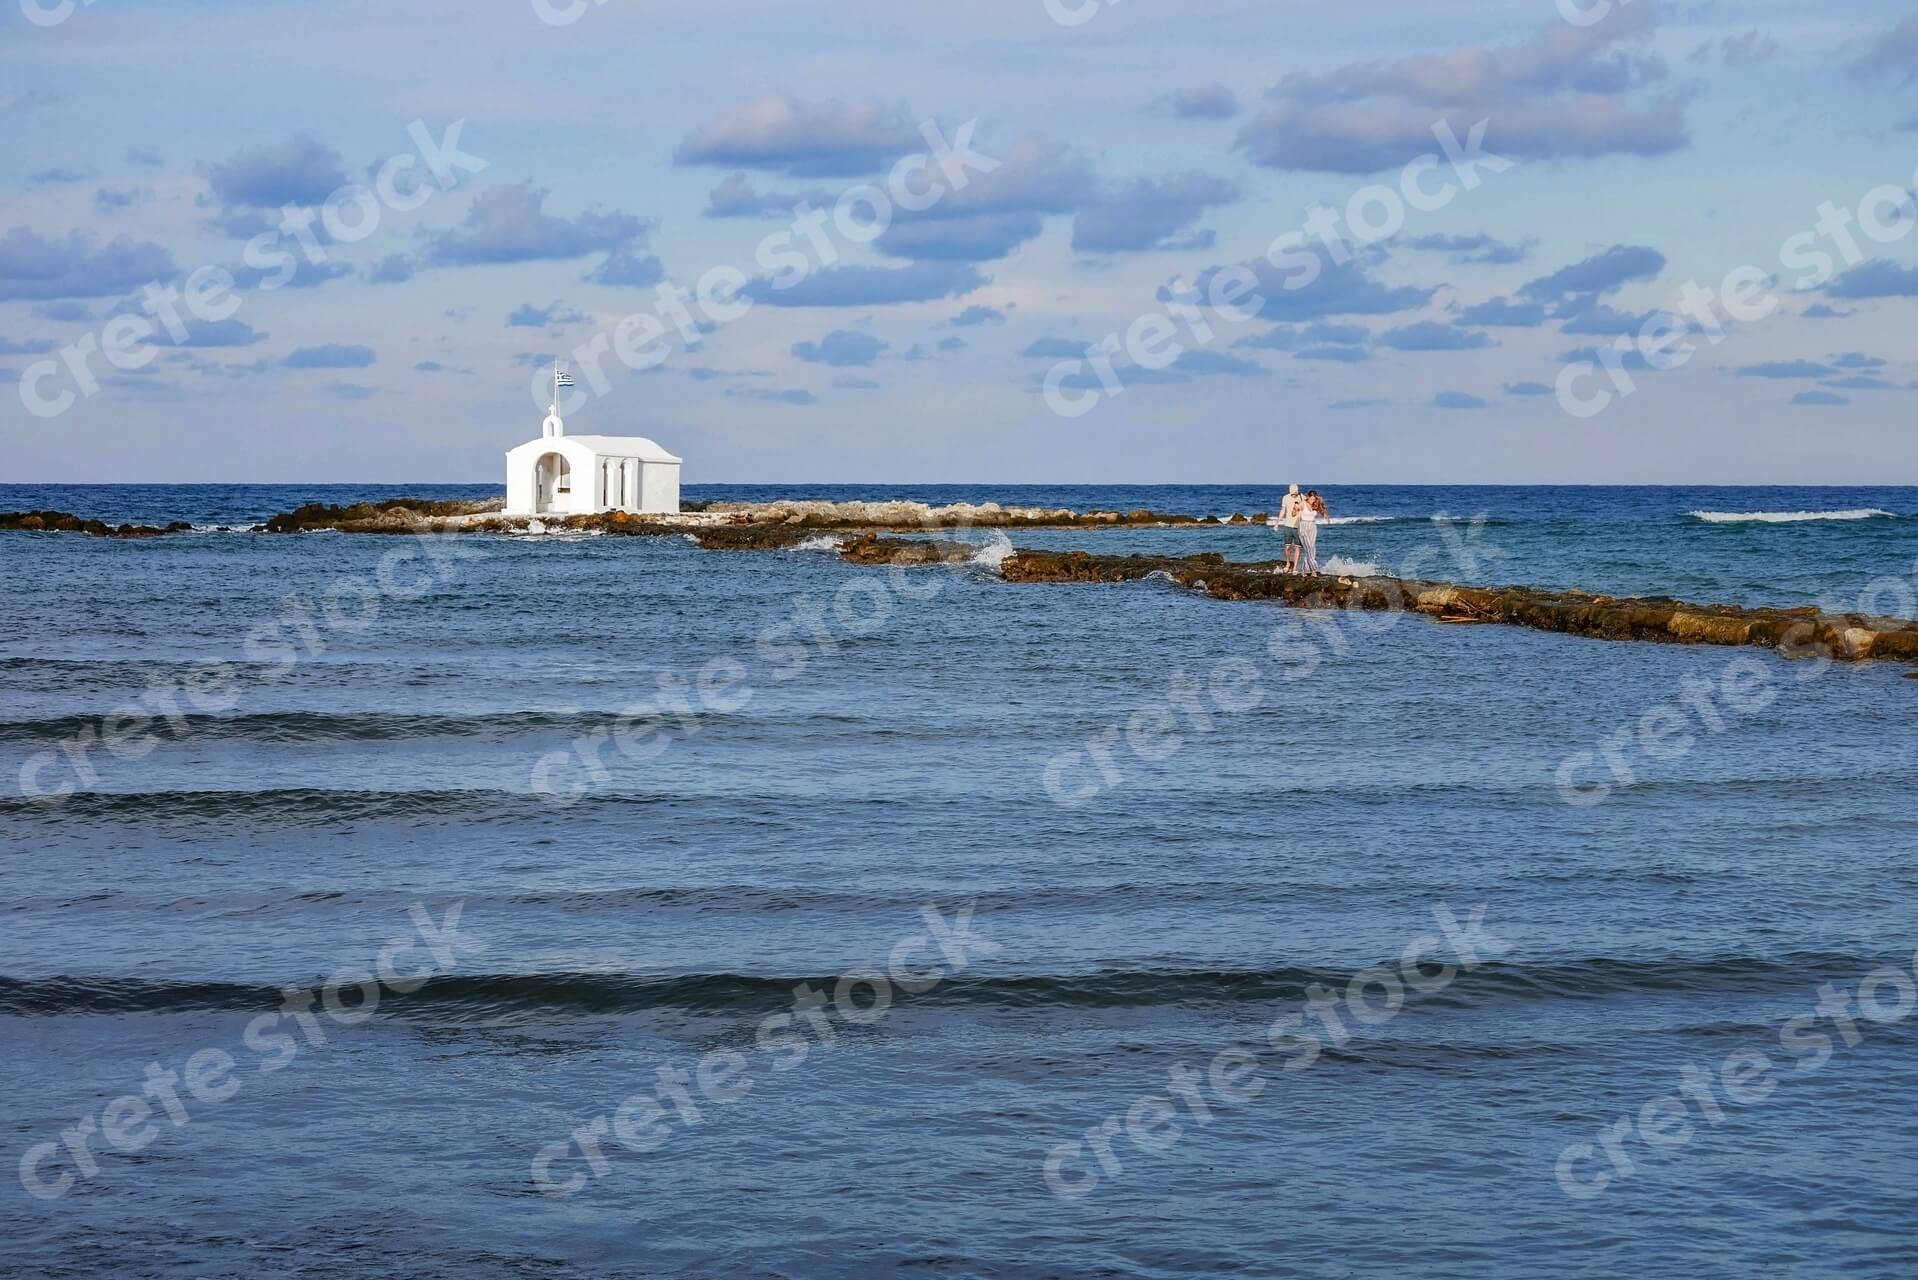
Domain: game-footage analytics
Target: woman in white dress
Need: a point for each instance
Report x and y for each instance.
(1310, 510)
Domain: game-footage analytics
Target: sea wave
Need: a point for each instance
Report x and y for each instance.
(44, 675)
(509, 898)
(296, 726)
(1339, 566)
(995, 551)
(477, 997)
(293, 806)
(327, 726)
(1226, 801)
(1791, 517)
(1340, 519)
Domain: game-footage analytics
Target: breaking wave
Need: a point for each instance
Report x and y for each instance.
(994, 552)
(1339, 566)
(1349, 520)
(551, 532)
(1791, 517)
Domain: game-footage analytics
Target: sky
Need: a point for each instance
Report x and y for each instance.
(395, 217)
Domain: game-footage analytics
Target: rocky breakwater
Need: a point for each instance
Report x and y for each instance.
(771, 526)
(399, 515)
(907, 553)
(719, 526)
(1798, 632)
(66, 522)
(901, 515)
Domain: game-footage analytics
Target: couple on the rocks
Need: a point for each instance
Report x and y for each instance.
(1298, 523)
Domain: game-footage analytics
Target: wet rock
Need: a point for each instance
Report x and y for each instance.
(397, 515)
(1796, 632)
(67, 522)
(749, 537)
(407, 515)
(905, 552)
(900, 516)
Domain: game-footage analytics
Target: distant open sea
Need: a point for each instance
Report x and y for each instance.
(646, 871)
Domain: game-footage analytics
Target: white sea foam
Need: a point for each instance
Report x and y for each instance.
(1254, 524)
(1790, 517)
(554, 532)
(1341, 567)
(820, 542)
(1342, 519)
(225, 528)
(994, 552)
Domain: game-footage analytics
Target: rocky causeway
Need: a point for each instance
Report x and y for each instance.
(1803, 632)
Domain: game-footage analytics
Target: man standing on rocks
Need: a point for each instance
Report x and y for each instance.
(1287, 524)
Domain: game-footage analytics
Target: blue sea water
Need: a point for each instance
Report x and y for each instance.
(866, 746)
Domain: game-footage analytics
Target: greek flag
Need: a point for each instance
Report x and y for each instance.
(562, 379)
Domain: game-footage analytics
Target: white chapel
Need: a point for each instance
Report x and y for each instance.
(564, 475)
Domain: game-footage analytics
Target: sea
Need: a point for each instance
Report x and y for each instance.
(560, 906)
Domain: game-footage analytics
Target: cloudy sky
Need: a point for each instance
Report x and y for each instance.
(1140, 149)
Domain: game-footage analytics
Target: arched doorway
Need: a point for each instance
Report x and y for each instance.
(552, 480)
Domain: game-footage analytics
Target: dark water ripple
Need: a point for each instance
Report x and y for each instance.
(487, 993)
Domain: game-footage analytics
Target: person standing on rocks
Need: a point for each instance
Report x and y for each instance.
(1311, 511)
(1287, 524)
